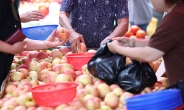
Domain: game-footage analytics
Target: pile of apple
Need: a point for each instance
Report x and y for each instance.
(50, 66)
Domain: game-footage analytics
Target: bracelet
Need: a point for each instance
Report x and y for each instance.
(126, 50)
(133, 42)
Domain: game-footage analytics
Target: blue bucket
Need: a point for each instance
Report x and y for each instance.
(39, 32)
(161, 100)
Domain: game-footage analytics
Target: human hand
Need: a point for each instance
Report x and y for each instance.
(103, 41)
(113, 45)
(31, 16)
(52, 41)
(124, 41)
(75, 40)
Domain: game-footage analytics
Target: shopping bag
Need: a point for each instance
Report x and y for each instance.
(105, 65)
(136, 76)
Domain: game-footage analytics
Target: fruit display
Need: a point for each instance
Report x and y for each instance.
(51, 66)
(135, 32)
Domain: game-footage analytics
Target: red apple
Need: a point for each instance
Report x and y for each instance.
(41, 55)
(51, 77)
(24, 71)
(31, 54)
(63, 78)
(84, 79)
(78, 73)
(57, 68)
(70, 72)
(22, 66)
(20, 108)
(56, 53)
(64, 50)
(111, 100)
(62, 33)
(17, 76)
(103, 89)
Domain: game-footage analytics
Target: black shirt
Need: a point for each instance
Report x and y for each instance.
(7, 19)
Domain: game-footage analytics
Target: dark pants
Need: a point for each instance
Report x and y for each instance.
(5, 64)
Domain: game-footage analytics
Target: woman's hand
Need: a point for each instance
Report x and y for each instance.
(75, 40)
(52, 41)
(31, 16)
(124, 41)
(113, 46)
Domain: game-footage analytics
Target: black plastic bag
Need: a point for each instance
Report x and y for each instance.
(105, 65)
(136, 76)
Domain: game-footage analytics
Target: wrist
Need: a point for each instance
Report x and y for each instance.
(132, 42)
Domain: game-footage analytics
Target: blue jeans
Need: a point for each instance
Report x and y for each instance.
(142, 26)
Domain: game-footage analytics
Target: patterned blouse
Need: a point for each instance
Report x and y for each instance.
(95, 19)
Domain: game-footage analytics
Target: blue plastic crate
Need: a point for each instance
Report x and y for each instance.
(39, 32)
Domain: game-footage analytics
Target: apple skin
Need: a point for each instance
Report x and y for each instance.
(111, 100)
(41, 55)
(91, 89)
(63, 78)
(84, 79)
(24, 71)
(31, 54)
(64, 50)
(17, 76)
(70, 72)
(42, 75)
(29, 101)
(125, 96)
(103, 89)
(62, 33)
(33, 75)
(10, 88)
(51, 77)
(57, 68)
(20, 108)
(56, 53)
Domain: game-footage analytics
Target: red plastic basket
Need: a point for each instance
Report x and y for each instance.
(79, 59)
(54, 94)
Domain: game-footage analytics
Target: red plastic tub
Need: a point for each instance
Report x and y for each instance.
(54, 94)
(79, 59)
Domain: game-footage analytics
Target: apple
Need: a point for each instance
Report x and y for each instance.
(85, 69)
(13, 66)
(70, 72)
(66, 66)
(78, 73)
(91, 50)
(25, 60)
(51, 77)
(61, 107)
(33, 75)
(64, 50)
(84, 79)
(80, 86)
(77, 104)
(62, 33)
(21, 99)
(8, 107)
(41, 108)
(31, 54)
(10, 88)
(82, 108)
(118, 91)
(103, 89)
(32, 65)
(17, 76)
(83, 48)
(91, 89)
(63, 78)
(42, 74)
(22, 66)
(56, 60)
(31, 108)
(11, 101)
(93, 103)
(24, 71)
(80, 94)
(43, 65)
(57, 68)
(164, 81)
(29, 101)
(56, 53)
(15, 93)
(125, 96)
(41, 55)
(105, 107)
(20, 108)
(146, 90)
(156, 65)
(113, 86)
(111, 100)
(24, 89)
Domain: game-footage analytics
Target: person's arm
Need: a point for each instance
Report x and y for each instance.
(50, 42)
(144, 54)
(75, 38)
(11, 49)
